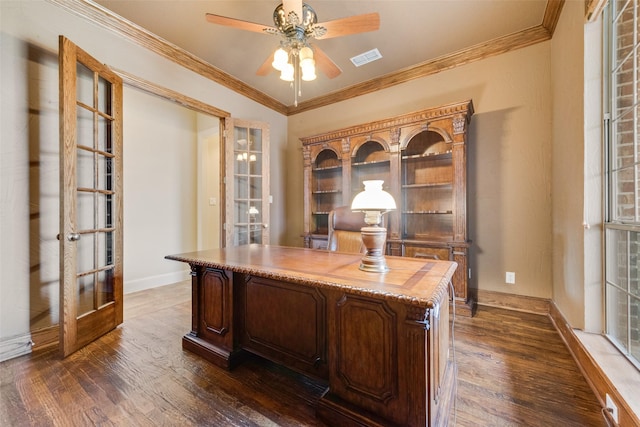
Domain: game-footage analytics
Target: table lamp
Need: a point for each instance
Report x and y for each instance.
(374, 202)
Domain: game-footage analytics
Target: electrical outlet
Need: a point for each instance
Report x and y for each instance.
(510, 278)
(612, 407)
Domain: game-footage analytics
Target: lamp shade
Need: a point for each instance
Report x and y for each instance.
(373, 198)
(280, 59)
(286, 73)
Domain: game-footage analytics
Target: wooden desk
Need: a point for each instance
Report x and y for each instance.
(380, 341)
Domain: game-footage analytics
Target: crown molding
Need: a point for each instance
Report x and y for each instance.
(108, 20)
(552, 15)
(465, 56)
(593, 9)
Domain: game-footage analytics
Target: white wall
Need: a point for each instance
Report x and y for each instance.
(160, 189)
(29, 148)
(209, 169)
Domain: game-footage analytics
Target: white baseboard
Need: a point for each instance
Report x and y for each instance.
(155, 281)
(15, 346)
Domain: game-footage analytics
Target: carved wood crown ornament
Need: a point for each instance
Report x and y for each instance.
(395, 135)
(459, 123)
(463, 109)
(346, 145)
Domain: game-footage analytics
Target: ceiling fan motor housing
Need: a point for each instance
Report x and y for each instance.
(291, 26)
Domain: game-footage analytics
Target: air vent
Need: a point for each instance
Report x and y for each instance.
(365, 58)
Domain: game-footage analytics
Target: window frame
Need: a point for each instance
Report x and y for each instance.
(616, 250)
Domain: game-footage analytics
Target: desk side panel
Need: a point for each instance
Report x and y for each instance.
(212, 334)
(286, 323)
(379, 365)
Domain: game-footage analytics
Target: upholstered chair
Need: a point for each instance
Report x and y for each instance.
(344, 230)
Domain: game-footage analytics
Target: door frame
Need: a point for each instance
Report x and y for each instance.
(146, 86)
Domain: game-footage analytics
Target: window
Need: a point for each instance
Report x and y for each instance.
(622, 174)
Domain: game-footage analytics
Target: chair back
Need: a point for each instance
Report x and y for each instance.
(344, 230)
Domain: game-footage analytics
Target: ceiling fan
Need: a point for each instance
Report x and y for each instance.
(296, 22)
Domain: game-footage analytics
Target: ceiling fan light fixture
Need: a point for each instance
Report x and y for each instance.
(307, 64)
(309, 75)
(306, 53)
(287, 72)
(280, 59)
(296, 22)
(308, 67)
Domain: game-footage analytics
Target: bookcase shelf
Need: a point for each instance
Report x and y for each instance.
(421, 157)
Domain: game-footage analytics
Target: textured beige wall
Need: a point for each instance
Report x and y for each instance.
(509, 160)
(576, 172)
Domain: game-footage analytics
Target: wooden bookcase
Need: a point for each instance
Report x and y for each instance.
(421, 157)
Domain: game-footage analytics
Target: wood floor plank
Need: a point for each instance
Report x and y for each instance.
(513, 370)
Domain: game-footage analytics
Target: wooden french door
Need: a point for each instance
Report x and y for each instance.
(90, 198)
(246, 182)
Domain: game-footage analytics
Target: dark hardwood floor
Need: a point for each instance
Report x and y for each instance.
(513, 370)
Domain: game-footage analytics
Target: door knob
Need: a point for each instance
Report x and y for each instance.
(73, 237)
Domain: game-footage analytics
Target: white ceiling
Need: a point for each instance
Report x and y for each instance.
(411, 32)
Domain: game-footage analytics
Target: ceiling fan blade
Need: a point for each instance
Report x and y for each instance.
(350, 25)
(266, 66)
(237, 23)
(325, 64)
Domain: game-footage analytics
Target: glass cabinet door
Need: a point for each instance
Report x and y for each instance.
(247, 183)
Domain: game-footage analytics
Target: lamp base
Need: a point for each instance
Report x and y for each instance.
(373, 239)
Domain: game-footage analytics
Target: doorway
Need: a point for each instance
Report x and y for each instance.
(172, 194)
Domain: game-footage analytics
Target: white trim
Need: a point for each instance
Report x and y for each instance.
(155, 281)
(15, 346)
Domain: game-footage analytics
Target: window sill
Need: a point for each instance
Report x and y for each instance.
(622, 373)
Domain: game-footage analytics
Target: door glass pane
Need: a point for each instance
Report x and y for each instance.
(85, 257)
(104, 134)
(84, 171)
(242, 160)
(104, 96)
(84, 127)
(240, 235)
(101, 210)
(241, 189)
(241, 212)
(240, 138)
(108, 248)
(105, 287)
(255, 221)
(104, 172)
(84, 85)
(86, 286)
(101, 250)
(255, 140)
(84, 209)
(255, 163)
(256, 187)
